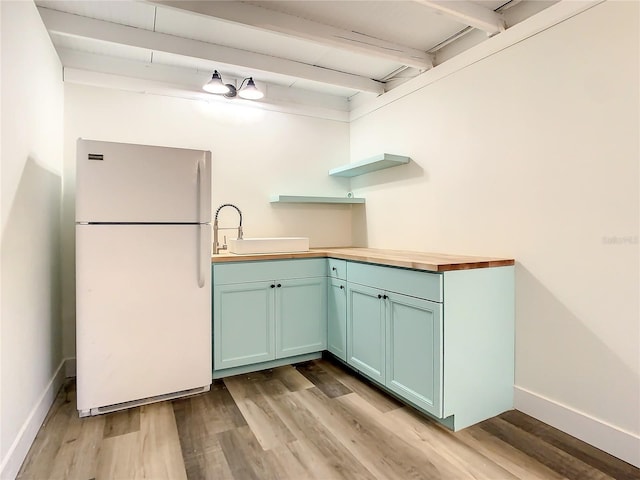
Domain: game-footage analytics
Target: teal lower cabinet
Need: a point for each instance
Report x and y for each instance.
(301, 316)
(337, 318)
(414, 350)
(443, 342)
(366, 325)
(267, 311)
(243, 324)
(396, 340)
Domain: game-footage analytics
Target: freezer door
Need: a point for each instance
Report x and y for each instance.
(143, 311)
(120, 182)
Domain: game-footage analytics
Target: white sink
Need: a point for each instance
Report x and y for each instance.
(249, 246)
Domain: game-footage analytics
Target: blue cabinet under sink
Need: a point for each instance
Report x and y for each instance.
(268, 310)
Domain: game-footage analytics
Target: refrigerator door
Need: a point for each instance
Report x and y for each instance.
(143, 311)
(126, 183)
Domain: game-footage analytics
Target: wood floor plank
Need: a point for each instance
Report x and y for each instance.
(317, 375)
(588, 454)
(78, 455)
(446, 468)
(511, 459)
(545, 453)
(208, 413)
(208, 463)
(316, 466)
(286, 465)
(120, 457)
(381, 452)
(361, 386)
(198, 419)
(244, 455)
(195, 433)
(264, 422)
(122, 422)
(292, 378)
(415, 427)
(48, 441)
(317, 448)
(161, 452)
(153, 452)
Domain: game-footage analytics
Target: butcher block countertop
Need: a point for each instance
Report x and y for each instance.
(433, 262)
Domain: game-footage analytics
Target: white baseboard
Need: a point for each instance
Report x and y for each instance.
(613, 440)
(18, 451)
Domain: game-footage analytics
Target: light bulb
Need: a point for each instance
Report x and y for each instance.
(250, 91)
(215, 85)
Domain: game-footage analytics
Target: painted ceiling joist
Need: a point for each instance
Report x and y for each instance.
(469, 13)
(78, 26)
(273, 21)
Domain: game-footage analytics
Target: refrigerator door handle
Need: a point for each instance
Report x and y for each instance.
(203, 246)
(200, 186)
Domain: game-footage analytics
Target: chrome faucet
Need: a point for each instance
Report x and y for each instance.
(216, 243)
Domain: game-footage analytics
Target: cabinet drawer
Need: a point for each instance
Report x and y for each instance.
(228, 273)
(337, 268)
(408, 282)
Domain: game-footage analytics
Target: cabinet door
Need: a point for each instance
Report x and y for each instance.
(337, 318)
(243, 324)
(366, 331)
(414, 351)
(301, 316)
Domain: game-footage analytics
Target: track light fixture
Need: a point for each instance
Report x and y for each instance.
(248, 91)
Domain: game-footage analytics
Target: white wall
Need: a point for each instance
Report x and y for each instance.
(30, 327)
(255, 153)
(533, 154)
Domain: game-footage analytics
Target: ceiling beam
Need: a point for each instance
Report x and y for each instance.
(183, 79)
(273, 21)
(78, 26)
(218, 103)
(469, 13)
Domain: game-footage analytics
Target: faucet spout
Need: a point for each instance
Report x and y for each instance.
(216, 244)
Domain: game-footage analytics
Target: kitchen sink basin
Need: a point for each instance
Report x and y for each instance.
(248, 246)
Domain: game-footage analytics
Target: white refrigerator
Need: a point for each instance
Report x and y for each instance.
(143, 274)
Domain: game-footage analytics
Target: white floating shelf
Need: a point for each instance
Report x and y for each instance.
(379, 162)
(307, 199)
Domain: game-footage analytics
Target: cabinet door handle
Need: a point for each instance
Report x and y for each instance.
(379, 296)
(279, 285)
(385, 297)
(341, 287)
(334, 269)
(272, 286)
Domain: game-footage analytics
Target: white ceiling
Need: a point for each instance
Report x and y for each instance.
(323, 53)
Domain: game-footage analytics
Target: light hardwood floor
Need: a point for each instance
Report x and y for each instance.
(314, 420)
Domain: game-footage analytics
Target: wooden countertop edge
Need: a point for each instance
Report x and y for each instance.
(432, 262)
